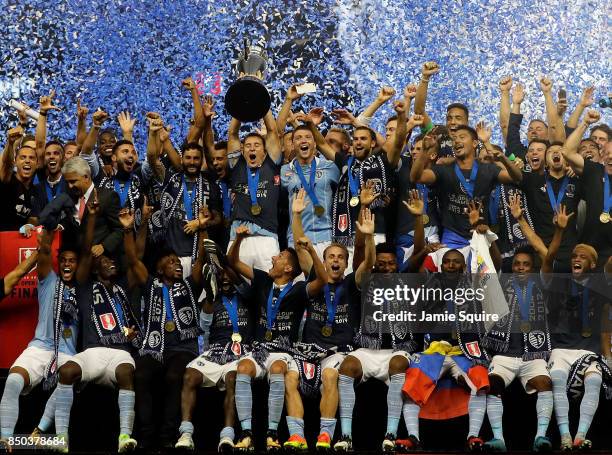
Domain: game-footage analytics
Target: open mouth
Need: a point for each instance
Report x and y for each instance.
(178, 270)
(252, 156)
(588, 156)
(577, 267)
(27, 167)
(335, 268)
(535, 162)
(304, 147)
(556, 159)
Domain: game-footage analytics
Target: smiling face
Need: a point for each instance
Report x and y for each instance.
(522, 265)
(453, 262)
(336, 261)
(281, 264)
(554, 159)
(537, 129)
(536, 155)
(192, 162)
(169, 268)
(26, 161)
(600, 137)
(304, 144)
(68, 262)
(463, 144)
(390, 129)
(581, 262)
(106, 141)
(589, 150)
(77, 184)
(254, 151)
(385, 263)
(70, 150)
(455, 117)
(53, 159)
(126, 157)
(219, 162)
(363, 144)
(106, 268)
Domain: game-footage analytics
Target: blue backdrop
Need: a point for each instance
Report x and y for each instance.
(132, 54)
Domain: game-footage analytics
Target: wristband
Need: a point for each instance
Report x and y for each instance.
(44, 114)
(427, 128)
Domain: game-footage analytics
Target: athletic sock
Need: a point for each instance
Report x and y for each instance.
(589, 403)
(126, 401)
(186, 427)
(227, 432)
(295, 426)
(63, 404)
(561, 402)
(544, 409)
(276, 400)
(244, 400)
(328, 425)
(49, 415)
(476, 409)
(394, 402)
(495, 411)
(9, 406)
(411, 417)
(347, 403)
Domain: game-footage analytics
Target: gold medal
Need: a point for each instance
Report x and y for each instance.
(67, 333)
(525, 327)
(326, 330)
(170, 326)
(587, 332)
(256, 209)
(319, 210)
(126, 331)
(236, 338)
(604, 217)
(268, 335)
(425, 220)
(354, 201)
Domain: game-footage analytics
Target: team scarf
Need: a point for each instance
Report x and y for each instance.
(343, 215)
(575, 379)
(537, 342)
(65, 308)
(222, 353)
(184, 314)
(171, 198)
(133, 196)
(106, 318)
(512, 231)
(370, 333)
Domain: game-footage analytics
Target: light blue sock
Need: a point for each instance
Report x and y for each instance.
(63, 404)
(394, 402)
(495, 411)
(346, 390)
(295, 426)
(227, 432)
(476, 410)
(561, 403)
(328, 426)
(244, 400)
(186, 427)
(126, 402)
(411, 412)
(589, 403)
(544, 409)
(276, 400)
(9, 406)
(49, 415)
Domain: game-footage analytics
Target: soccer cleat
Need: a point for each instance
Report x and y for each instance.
(345, 444)
(412, 444)
(126, 443)
(566, 443)
(542, 444)
(296, 443)
(495, 445)
(226, 445)
(474, 444)
(245, 442)
(63, 448)
(185, 442)
(5, 447)
(582, 444)
(388, 444)
(272, 442)
(323, 442)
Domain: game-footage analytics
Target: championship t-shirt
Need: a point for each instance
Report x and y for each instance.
(222, 328)
(15, 204)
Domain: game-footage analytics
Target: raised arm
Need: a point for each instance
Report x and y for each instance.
(416, 206)
(126, 123)
(513, 135)
(154, 148)
(233, 138)
(366, 227)
(586, 100)
(8, 155)
(418, 173)
(168, 148)
(428, 70)
(297, 207)
(384, 95)
(570, 148)
(98, 118)
(556, 129)
(504, 106)
(81, 132)
(233, 255)
(44, 264)
(283, 115)
(85, 259)
(511, 173)
(314, 287)
(137, 273)
(399, 137)
(560, 220)
(196, 128)
(514, 204)
(204, 217)
(13, 277)
(46, 105)
(273, 144)
(208, 135)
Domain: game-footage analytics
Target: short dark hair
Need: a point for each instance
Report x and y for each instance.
(162, 253)
(70, 143)
(294, 262)
(107, 131)
(461, 106)
(539, 141)
(538, 120)
(254, 134)
(120, 143)
(300, 128)
(220, 145)
(367, 128)
(588, 139)
(454, 250)
(386, 248)
(602, 127)
(55, 142)
(526, 249)
(390, 119)
(468, 128)
(193, 146)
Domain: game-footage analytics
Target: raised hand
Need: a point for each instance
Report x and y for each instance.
(299, 202)
(474, 207)
(366, 227)
(561, 217)
(429, 69)
(514, 204)
(483, 131)
(315, 115)
(188, 83)
(99, 117)
(415, 204)
(126, 122)
(81, 111)
(545, 84)
(208, 107)
(14, 134)
(204, 217)
(385, 94)
(156, 124)
(410, 91)
(343, 117)
(304, 243)
(415, 120)
(399, 107)
(164, 133)
(46, 103)
(242, 231)
(368, 194)
(518, 94)
(505, 84)
(97, 250)
(592, 116)
(292, 93)
(586, 100)
(126, 218)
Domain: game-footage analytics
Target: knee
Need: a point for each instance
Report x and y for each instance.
(497, 385)
(292, 381)
(559, 378)
(278, 367)
(124, 374)
(398, 364)
(192, 378)
(329, 377)
(230, 382)
(70, 373)
(540, 383)
(173, 376)
(351, 366)
(246, 367)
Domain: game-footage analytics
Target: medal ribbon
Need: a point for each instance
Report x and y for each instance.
(167, 303)
(584, 306)
(353, 186)
(232, 310)
(50, 195)
(187, 201)
(119, 310)
(468, 185)
(524, 302)
(332, 304)
(253, 181)
(607, 199)
(309, 187)
(123, 194)
(227, 205)
(555, 201)
(494, 205)
(272, 308)
(424, 190)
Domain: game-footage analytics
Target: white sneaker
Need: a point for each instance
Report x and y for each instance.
(185, 442)
(226, 445)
